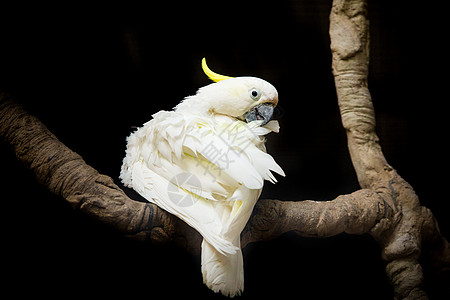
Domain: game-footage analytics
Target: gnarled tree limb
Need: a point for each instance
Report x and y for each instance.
(66, 174)
(386, 207)
(401, 235)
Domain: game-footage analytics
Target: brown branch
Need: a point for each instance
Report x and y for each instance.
(356, 213)
(66, 174)
(386, 207)
(401, 235)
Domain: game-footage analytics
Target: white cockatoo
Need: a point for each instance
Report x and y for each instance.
(205, 162)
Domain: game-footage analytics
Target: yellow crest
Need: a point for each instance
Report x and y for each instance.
(212, 75)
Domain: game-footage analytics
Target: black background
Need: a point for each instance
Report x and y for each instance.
(90, 73)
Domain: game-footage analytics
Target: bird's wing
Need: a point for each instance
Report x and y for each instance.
(200, 170)
(237, 149)
(196, 211)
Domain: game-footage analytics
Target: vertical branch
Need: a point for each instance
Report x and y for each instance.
(400, 236)
(349, 32)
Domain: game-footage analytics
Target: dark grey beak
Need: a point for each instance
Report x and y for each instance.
(263, 111)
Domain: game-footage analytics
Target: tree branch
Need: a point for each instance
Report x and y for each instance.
(64, 173)
(401, 235)
(355, 213)
(386, 207)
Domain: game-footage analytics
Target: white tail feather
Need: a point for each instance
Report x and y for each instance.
(224, 274)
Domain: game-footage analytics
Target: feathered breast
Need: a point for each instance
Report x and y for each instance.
(222, 152)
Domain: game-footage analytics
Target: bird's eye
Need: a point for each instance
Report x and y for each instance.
(255, 94)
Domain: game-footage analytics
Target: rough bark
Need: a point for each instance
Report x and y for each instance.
(401, 234)
(66, 174)
(386, 207)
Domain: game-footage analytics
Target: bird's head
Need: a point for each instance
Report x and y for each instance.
(246, 98)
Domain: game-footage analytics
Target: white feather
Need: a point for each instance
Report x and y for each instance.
(207, 169)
